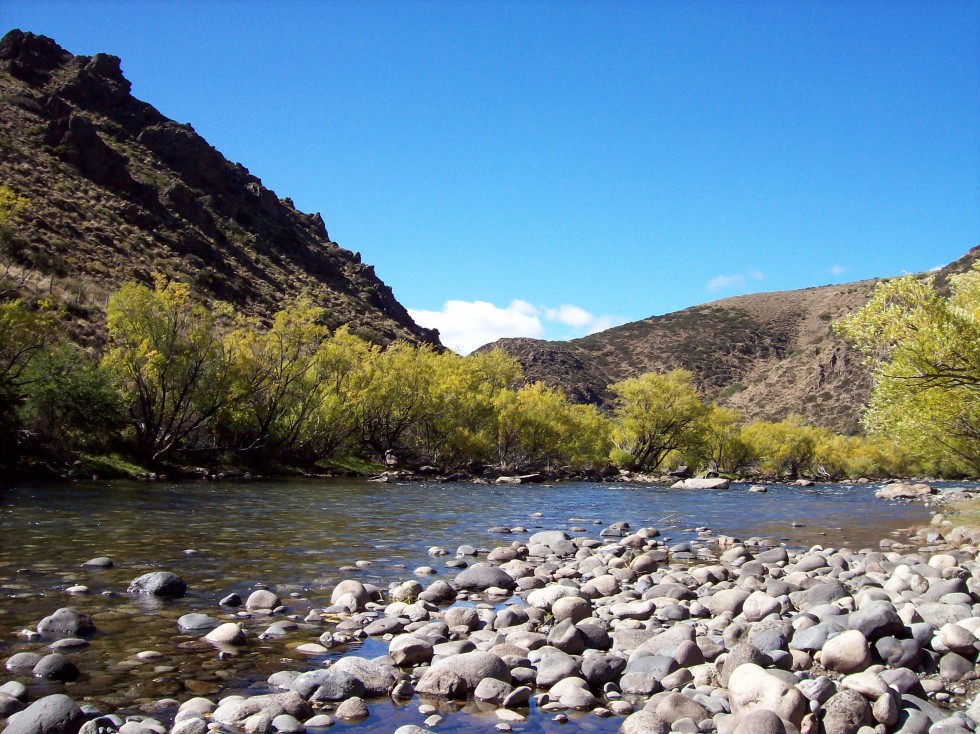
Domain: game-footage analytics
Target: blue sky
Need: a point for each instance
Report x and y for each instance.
(552, 168)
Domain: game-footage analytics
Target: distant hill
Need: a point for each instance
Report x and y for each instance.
(119, 192)
(767, 354)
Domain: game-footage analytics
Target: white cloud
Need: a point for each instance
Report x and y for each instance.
(570, 316)
(465, 325)
(733, 282)
(837, 270)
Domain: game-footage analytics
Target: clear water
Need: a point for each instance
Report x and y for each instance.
(295, 536)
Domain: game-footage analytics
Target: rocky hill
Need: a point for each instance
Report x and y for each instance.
(768, 354)
(119, 192)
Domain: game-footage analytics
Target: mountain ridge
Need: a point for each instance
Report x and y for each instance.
(768, 355)
(120, 192)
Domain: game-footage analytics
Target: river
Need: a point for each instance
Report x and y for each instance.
(301, 537)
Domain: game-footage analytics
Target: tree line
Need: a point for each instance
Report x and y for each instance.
(179, 382)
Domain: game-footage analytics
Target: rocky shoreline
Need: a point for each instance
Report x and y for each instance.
(717, 634)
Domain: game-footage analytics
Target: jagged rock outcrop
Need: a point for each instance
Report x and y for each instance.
(118, 191)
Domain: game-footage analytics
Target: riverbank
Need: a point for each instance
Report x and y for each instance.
(613, 626)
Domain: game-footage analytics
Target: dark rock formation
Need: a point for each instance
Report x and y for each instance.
(119, 192)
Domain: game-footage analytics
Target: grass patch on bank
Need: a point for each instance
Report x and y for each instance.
(108, 467)
(965, 512)
(351, 465)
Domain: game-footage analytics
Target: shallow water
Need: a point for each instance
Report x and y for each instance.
(295, 536)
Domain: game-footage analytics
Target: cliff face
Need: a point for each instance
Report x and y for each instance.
(768, 354)
(119, 192)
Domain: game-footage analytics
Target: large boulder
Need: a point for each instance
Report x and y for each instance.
(262, 599)
(846, 653)
(441, 683)
(482, 576)
(726, 600)
(644, 722)
(876, 621)
(557, 541)
(552, 665)
(55, 667)
(751, 687)
(235, 712)
(352, 591)
(902, 490)
(846, 712)
(675, 706)
(159, 583)
(67, 622)
(229, 633)
(55, 714)
(408, 650)
(701, 483)
(196, 622)
(472, 667)
(378, 679)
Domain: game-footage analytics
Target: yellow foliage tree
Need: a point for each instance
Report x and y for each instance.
(925, 353)
(168, 352)
(657, 414)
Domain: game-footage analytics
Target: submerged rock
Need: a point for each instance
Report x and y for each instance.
(67, 622)
(159, 583)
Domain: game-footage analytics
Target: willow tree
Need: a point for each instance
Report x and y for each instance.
(169, 355)
(463, 423)
(657, 414)
(536, 425)
(275, 382)
(924, 349)
(784, 448)
(394, 396)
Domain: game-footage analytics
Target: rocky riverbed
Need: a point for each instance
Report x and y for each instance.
(620, 631)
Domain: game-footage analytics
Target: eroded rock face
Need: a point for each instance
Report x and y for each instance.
(164, 179)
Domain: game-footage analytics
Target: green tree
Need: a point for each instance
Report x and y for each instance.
(587, 437)
(168, 353)
(25, 332)
(530, 425)
(723, 447)
(656, 414)
(72, 400)
(924, 350)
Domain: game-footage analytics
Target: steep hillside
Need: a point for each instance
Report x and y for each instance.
(118, 191)
(768, 354)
